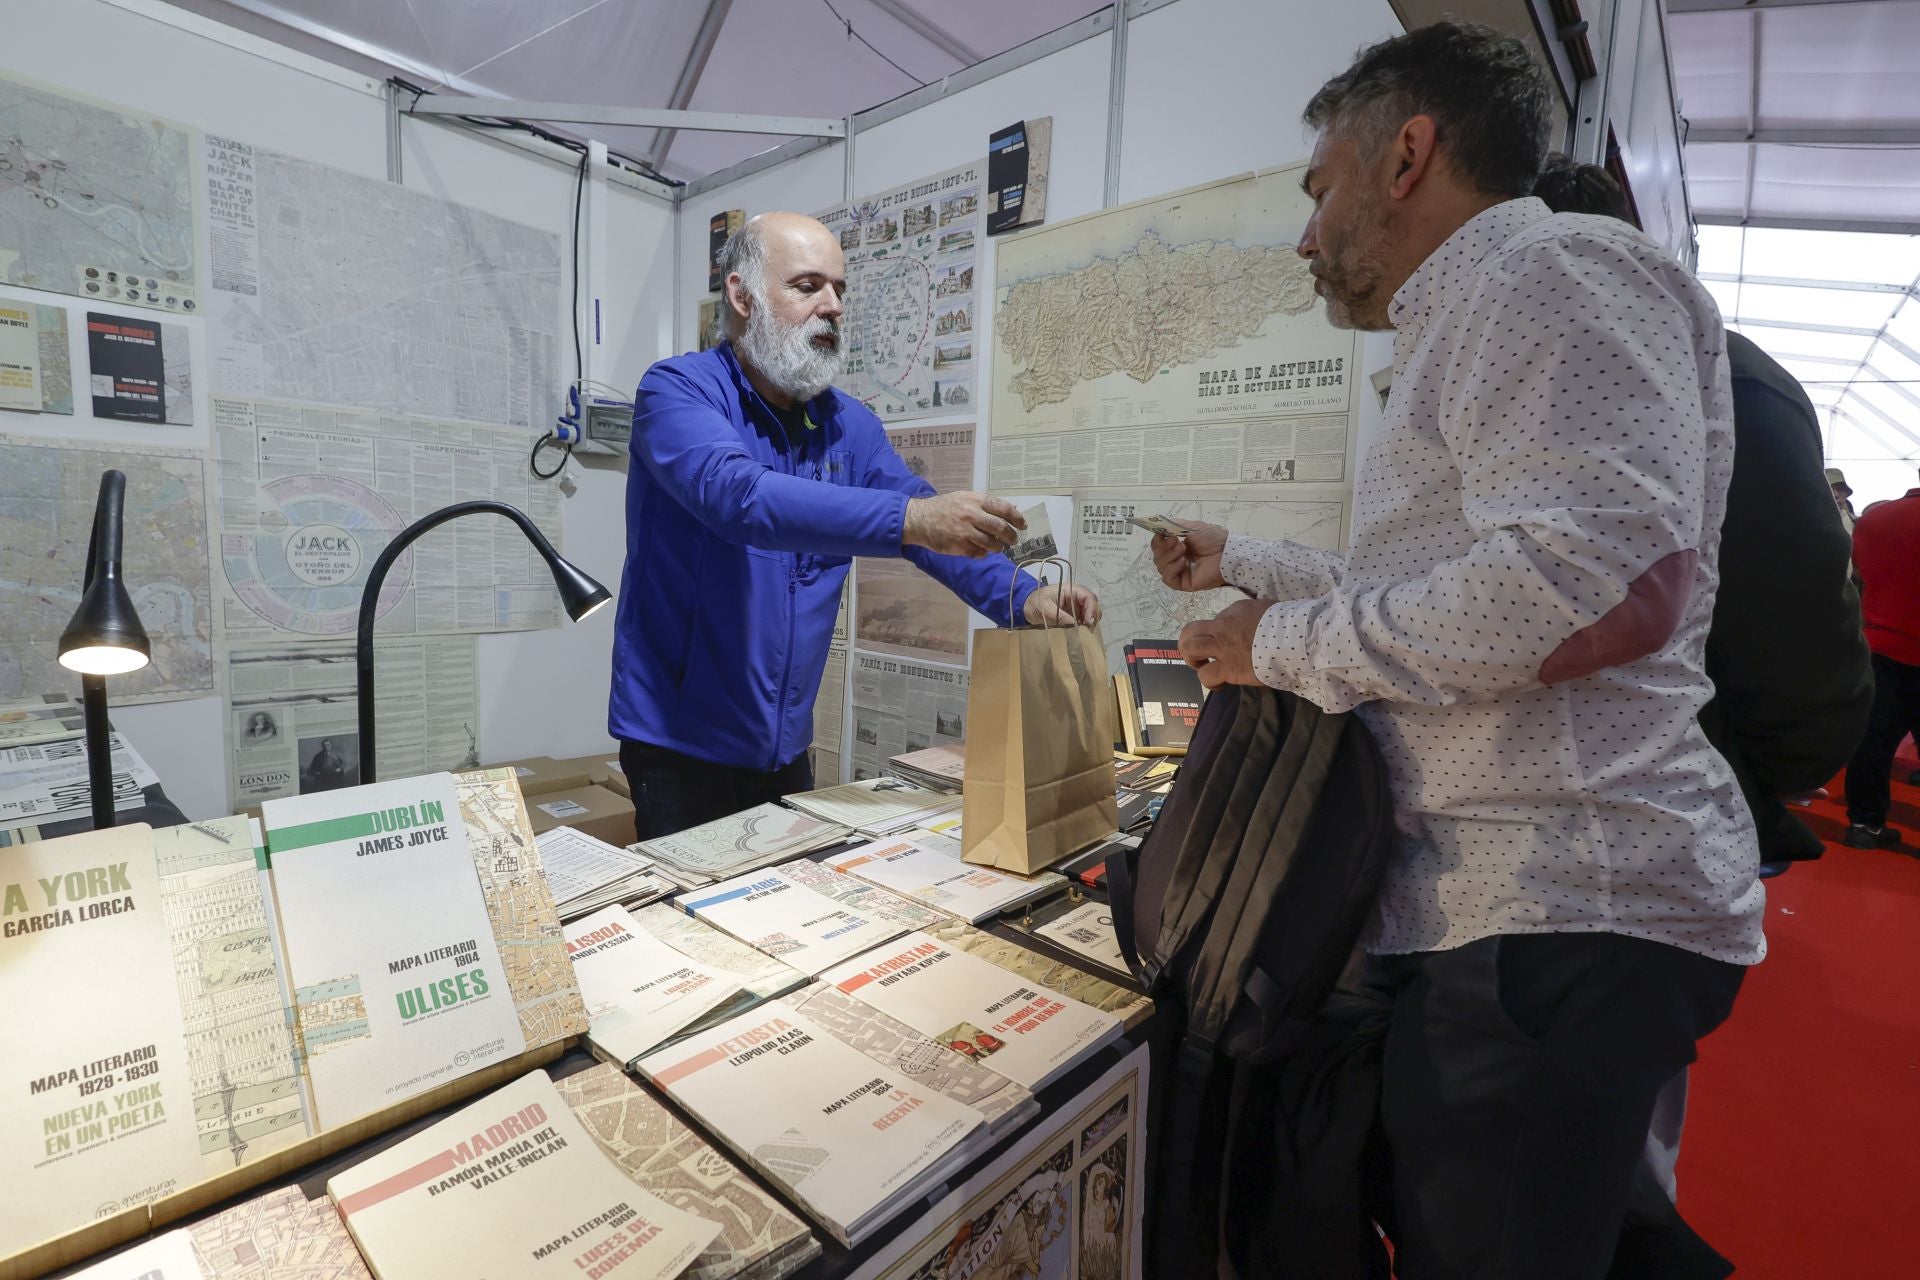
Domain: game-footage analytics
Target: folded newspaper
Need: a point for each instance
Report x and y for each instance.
(32, 721)
(49, 783)
(758, 837)
(875, 806)
(941, 768)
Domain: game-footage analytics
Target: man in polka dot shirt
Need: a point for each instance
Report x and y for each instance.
(1521, 621)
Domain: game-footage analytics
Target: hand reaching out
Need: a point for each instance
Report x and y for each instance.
(1057, 606)
(1191, 563)
(962, 524)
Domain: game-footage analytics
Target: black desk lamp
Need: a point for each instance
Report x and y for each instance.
(580, 594)
(104, 639)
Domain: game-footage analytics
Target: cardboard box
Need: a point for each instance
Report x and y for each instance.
(595, 810)
(616, 779)
(600, 768)
(541, 774)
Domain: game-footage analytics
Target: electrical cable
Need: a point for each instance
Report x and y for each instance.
(533, 459)
(579, 189)
(855, 35)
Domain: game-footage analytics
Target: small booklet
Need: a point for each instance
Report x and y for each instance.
(511, 1188)
(639, 991)
(1025, 1032)
(875, 806)
(927, 868)
(852, 1142)
(772, 912)
(754, 838)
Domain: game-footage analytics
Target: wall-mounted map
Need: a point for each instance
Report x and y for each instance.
(95, 200)
(47, 496)
(1184, 313)
(1115, 557)
(910, 294)
(333, 288)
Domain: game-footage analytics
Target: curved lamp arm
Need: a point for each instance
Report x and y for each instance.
(580, 595)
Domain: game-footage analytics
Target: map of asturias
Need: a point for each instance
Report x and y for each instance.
(1187, 308)
(1151, 309)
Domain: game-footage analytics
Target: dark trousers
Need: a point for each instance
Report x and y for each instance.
(672, 792)
(1519, 1078)
(1895, 714)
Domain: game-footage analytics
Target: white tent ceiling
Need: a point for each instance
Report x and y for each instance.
(1800, 112)
(765, 57)
(1850, 337)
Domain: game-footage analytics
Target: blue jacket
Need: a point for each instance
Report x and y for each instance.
(738, 541)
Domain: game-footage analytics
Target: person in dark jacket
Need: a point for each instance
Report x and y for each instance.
(1792, 676)
(1791, 673)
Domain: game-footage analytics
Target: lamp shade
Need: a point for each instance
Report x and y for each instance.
(105, 637)
(579, 594)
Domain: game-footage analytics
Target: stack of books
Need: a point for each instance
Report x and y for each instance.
(759, 1239)
(853, 1143)
(1024, 1031)
(758, 837)
(586, 874)
(775, 913)
(413, 994)
(927, 868)
(512, 1185)
(639, 991)
(864, 898)
(941, 768)
(271, 978)
(99, 1112)
(757, 976)
(876, 807)
(1158, 697)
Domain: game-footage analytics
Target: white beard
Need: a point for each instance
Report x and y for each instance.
(786, 356)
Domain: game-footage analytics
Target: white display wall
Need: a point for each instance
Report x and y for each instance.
(1212, 88)
(540, 692)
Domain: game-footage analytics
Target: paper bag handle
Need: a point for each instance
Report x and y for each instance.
(1013, 583)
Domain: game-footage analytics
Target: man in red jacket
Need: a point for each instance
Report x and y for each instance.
(1886, 555)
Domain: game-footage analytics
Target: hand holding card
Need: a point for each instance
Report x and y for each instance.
(1160, 524)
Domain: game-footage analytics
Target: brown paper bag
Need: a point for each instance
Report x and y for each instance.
(1039, 773)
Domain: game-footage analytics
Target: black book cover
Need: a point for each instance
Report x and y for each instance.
(719, 227)
(128, 371)
(1006, 177)
(1168, 690)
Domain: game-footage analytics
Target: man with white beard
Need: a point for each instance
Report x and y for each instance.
(754, 485)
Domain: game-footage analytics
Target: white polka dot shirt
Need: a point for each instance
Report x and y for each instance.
(1521, 617)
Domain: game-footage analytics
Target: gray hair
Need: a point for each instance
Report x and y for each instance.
(1490, 102)
(744, 254)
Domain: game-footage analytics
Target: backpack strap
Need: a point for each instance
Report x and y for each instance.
(1272, 790)
(1257, 882)
(1183, 832)
(1208, 849)
(1120, 869)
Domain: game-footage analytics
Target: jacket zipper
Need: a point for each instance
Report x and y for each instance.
(786, 662)
(786, 672)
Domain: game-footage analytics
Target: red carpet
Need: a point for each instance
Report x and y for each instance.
(1801, 1156)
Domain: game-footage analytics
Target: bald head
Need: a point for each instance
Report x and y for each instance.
(785, 280)
(771, 252)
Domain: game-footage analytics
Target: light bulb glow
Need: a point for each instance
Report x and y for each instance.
(103, 660)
